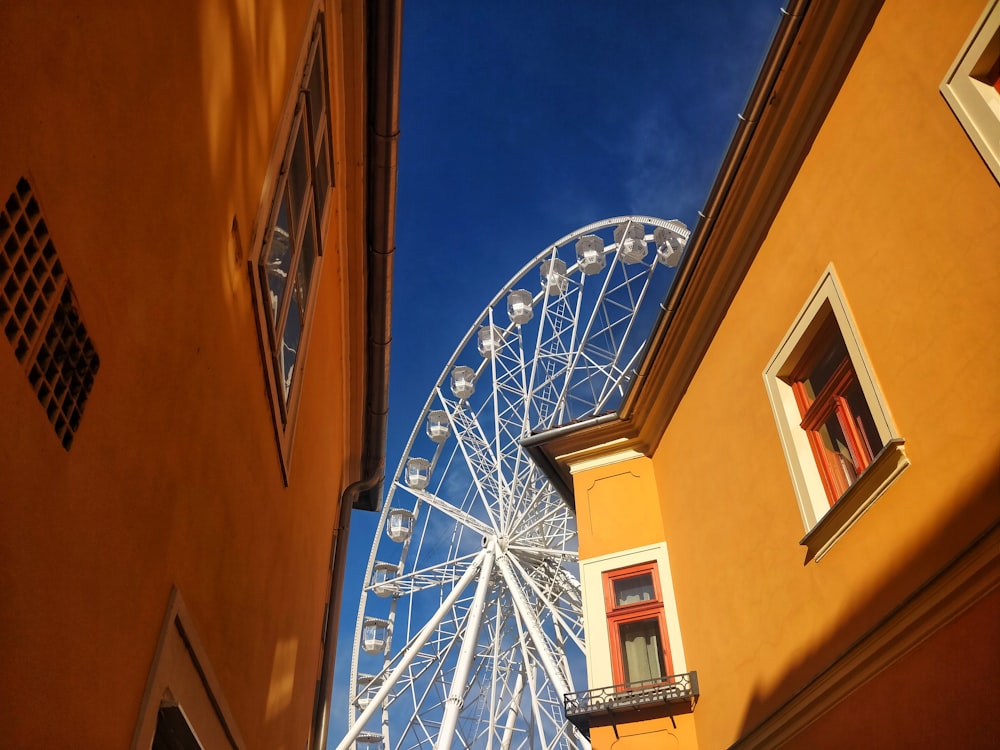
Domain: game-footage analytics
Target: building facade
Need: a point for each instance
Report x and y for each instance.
(196, 233)
(799, 501)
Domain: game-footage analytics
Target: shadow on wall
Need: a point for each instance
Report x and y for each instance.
(916, 664)
(146, 128)
(238, 111)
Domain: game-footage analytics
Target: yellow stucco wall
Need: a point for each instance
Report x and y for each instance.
(146, 129)
(616, 503)
(618, 510)
(894, 194)
(896, 197)
(654, 734)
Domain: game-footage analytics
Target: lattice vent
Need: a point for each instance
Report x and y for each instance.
(40, 317)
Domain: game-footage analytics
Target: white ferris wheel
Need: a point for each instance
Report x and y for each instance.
(469, 629)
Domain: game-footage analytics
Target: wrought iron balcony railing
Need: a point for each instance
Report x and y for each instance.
(668, 696)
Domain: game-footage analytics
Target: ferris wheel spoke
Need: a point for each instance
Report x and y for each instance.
(493, 669)
(532, 625)
(616, 362)
(536, 724)
(539, 553)
(456, 514)
(434, 576)
(618, 384)
(480, 460)
(470, 640)
(407, 658)
(550, 607)
(580, 352)
(539, 515)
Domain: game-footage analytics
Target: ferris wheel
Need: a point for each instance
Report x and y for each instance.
(469, 629)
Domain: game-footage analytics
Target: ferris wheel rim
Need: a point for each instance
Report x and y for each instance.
(489, 534)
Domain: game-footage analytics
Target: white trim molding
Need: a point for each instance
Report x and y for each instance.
(824, 524)
(969, 90)
(182, 676)
(595, 620)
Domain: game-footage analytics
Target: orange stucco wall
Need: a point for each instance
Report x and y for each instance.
(895, 195)
(146, 129)
(897, 198)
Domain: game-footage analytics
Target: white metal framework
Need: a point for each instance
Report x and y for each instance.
(440, 662)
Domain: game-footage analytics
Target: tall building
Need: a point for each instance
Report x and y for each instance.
(789, 536)
(196, 232)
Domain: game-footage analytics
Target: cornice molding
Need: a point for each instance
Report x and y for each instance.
(814, 48)
(806, 68)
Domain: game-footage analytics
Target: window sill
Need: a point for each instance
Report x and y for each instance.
(887, 465)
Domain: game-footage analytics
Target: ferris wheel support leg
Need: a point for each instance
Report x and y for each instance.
(508, 729)
(552, 670)
(531, 623)
(453, 705)
(428, 630)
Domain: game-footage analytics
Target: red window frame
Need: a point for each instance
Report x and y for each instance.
(817, 410)
(651, 609)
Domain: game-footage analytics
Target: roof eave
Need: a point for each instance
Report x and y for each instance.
(813, 49)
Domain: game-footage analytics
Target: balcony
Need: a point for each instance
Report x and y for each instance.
(670, 696)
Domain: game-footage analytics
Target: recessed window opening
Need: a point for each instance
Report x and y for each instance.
(841, 446)
(835, 413)
(972, 86)
(636, 626)
(285, 265)
(173, 731)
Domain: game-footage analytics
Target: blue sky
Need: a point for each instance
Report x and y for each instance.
(522, 121)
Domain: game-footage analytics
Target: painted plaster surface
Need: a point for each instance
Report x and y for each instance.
(147, 130)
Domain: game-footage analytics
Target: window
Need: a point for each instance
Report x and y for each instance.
(285, 269)
(636, 625)
(972, 86)
(183, 707)
(835, 414)
(839, 441)
(603, 669)
(172, 730)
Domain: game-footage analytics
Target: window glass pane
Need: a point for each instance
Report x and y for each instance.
(172, 731)
(838, 457)
(820, 375)
(277, 260)
(308, 252)
(298, 173)
(863, 420)
(642, 650)
(322, 177)
(317, 92)
(293, 331)
(635, 589)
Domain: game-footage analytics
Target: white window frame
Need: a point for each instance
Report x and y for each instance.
(600, 672)
(284, 390)
(976, 103)
(182, 676)
(825, 524)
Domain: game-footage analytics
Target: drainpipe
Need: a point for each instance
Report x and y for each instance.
(384, 26)
(532, 445)
(324, 689)
(384, 49)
